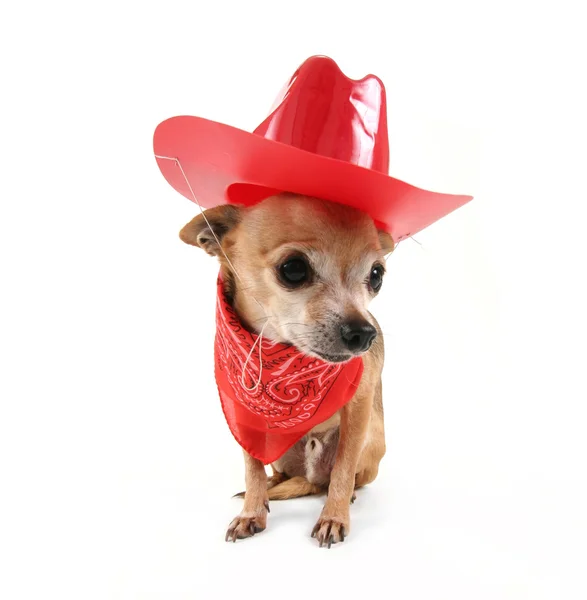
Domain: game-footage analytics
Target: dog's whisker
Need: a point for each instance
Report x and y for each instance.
(244, 289)
(303, 334)
(265, 318)
(300, 340)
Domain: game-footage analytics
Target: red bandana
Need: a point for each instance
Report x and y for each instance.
(296, 391)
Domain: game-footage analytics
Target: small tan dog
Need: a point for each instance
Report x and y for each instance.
(314, 266)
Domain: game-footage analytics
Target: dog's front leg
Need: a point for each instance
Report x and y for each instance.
(334, 522)
(253, 517)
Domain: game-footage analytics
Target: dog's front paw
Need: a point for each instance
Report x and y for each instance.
(247, 524)
(330, 530)
(243, 527)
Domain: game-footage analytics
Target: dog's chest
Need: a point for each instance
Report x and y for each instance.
(313, 456)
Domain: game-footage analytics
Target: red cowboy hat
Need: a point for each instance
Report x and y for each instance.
(325, 137)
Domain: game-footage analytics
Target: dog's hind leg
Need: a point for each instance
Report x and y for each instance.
(374, 449)
(276, 478)
(272, 481)
(296, 487)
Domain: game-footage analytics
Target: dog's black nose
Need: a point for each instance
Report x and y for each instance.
(357, 335)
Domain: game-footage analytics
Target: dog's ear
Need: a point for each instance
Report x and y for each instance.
(206, 232)
(386, 241)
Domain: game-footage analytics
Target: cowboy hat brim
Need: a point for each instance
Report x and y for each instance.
(224, 164)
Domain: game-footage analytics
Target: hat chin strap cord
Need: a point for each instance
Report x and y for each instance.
(267, 317)
(260, 341)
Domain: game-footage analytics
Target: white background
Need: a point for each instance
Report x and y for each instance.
(117, 467)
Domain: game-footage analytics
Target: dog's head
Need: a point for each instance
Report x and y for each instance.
(307, 268)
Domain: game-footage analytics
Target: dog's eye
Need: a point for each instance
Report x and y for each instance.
(376, 278)
(294, 271)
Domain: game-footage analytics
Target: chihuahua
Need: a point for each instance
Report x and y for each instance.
(314, 266)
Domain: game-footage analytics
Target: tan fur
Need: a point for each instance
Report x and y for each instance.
(343, 244)
(295, 487)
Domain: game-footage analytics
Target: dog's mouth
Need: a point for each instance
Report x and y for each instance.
(333, 358)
